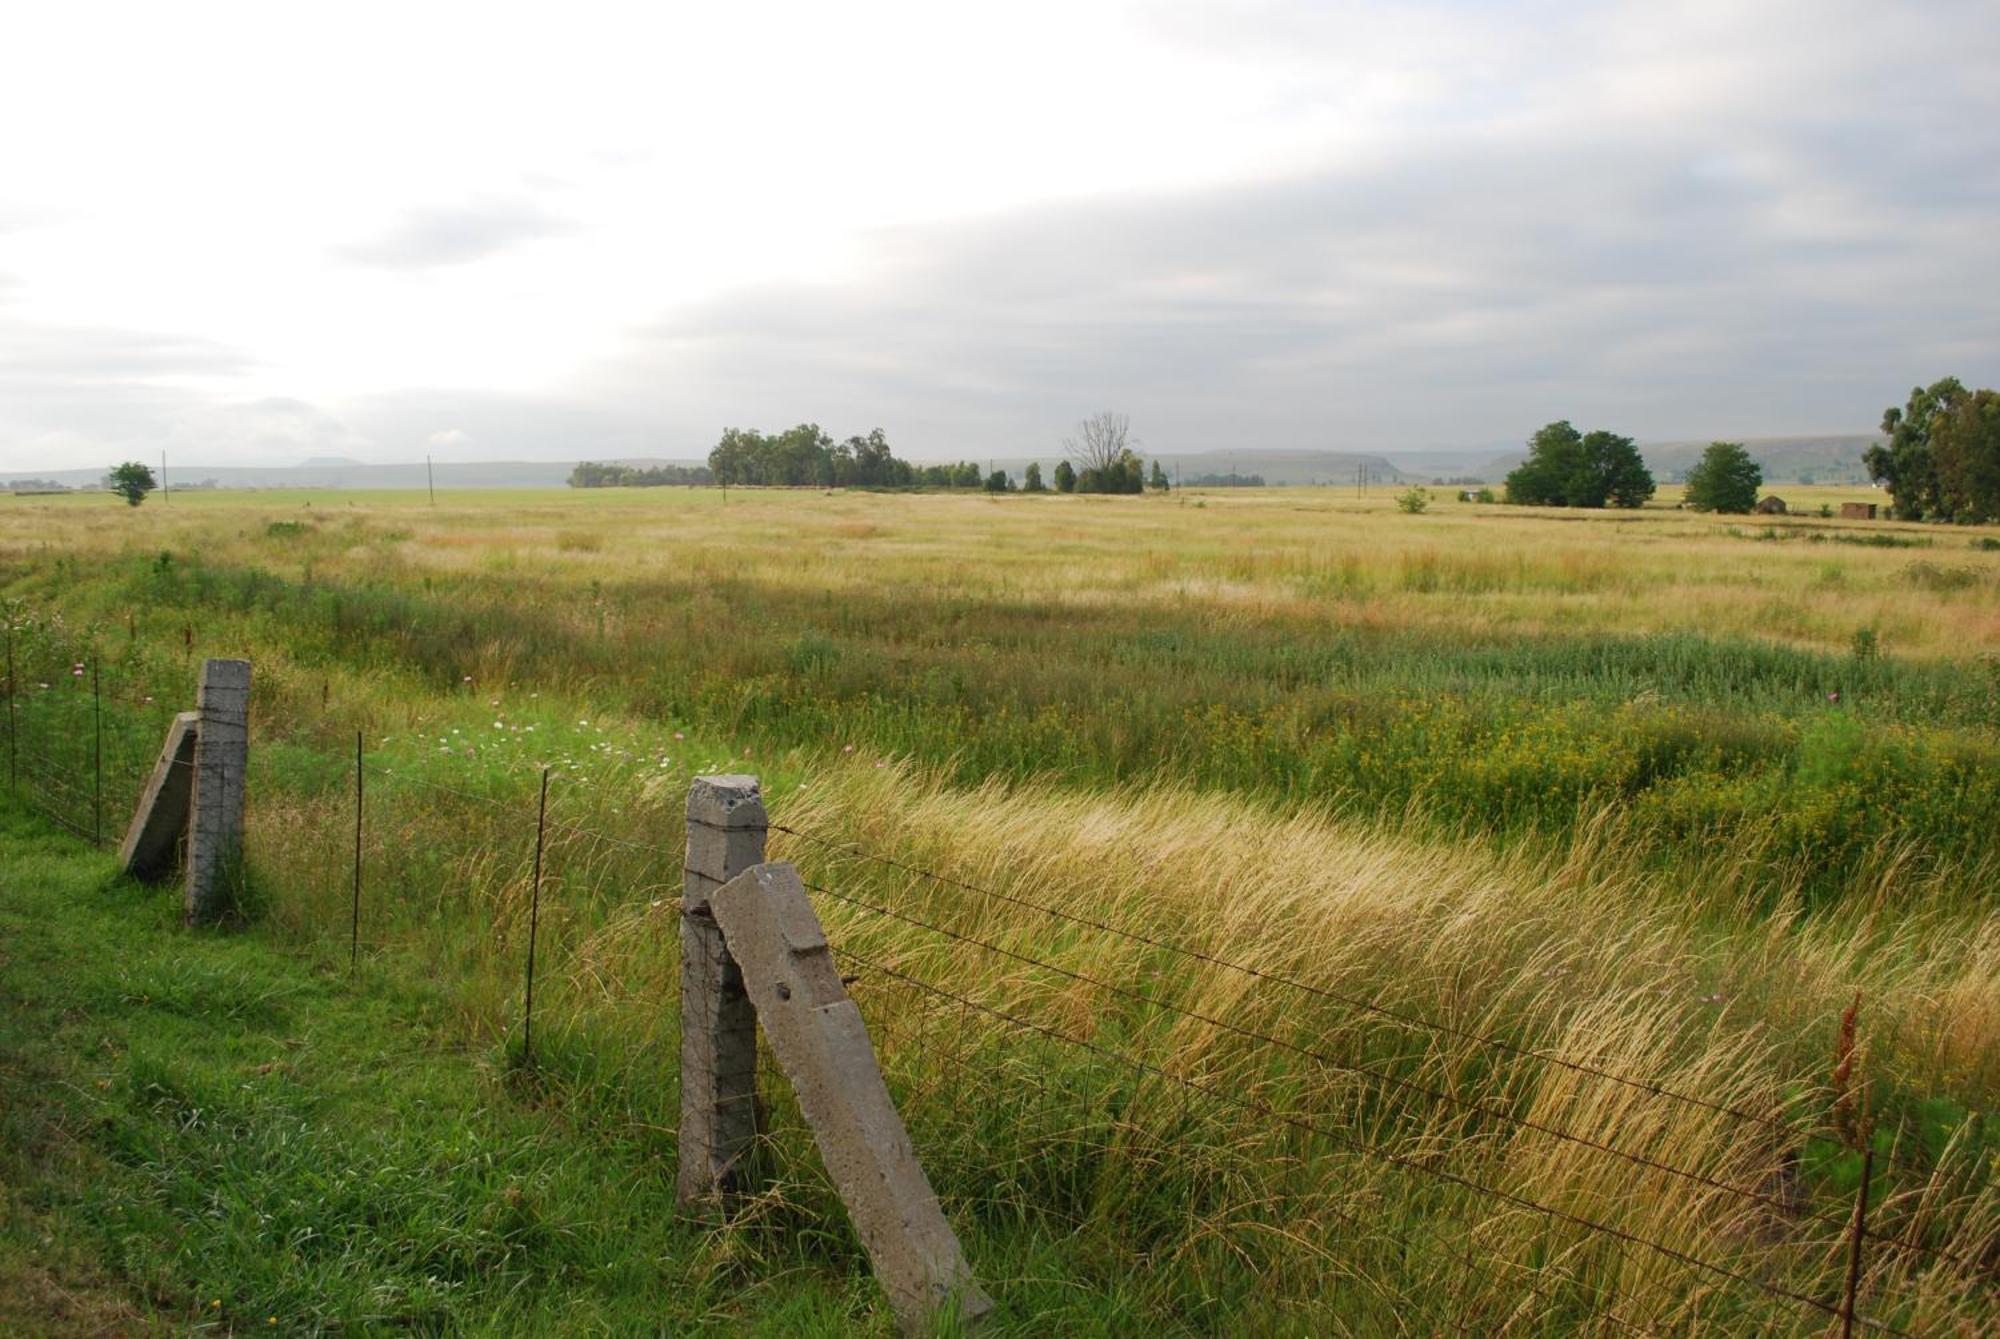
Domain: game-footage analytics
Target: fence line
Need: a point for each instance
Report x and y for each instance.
(48, 772)
(1319, 1057)
(1402, 1161)
(1356, 1002)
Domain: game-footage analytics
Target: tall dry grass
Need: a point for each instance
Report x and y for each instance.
(1228, 1137)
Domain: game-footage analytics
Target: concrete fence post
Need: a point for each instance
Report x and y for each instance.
(725, 837)
(221, 753)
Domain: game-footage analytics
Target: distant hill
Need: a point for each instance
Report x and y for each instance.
(1785, 460)
(1276, 467)
(341, 473)
(1825, 459)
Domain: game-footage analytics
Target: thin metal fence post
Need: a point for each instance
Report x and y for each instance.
(354, 929)
(97, 752)
(13, 774)
(534, 922)
(1859, 1234)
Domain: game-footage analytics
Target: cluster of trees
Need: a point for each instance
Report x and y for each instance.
(1229, 480)
(591, 474)
(1942, 460)
(806, 456)
(964, 474)
(1100, 459)
(1567, 468)
(1126, 475)
(1724, 479)
(1106, 459)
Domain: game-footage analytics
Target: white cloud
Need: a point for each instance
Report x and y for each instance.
(639, 223)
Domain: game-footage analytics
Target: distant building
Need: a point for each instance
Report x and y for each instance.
(1771, 505)
(1857, 511)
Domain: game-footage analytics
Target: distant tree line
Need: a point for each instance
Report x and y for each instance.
(1229, 480)
(1567, 468)
(1102, 461)
(591, 474)
(1942, 459)
(807, 457)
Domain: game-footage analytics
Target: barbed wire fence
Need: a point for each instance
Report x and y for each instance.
(1062, 1071)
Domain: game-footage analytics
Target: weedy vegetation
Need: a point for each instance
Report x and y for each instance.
(1562, 818)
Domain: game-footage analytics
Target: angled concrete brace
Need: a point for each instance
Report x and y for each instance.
(160, 824)
(820, 1042)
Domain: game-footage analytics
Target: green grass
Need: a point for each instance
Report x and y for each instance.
(212, 1135)
(1630, 819)
(207, 1132)
(1696, 740)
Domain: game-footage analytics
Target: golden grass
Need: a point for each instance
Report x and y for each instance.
(1581, 950)
(1311, 551)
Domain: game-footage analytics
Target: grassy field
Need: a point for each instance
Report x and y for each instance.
(1657, 794)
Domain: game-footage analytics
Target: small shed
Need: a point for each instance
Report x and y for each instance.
(1857, 511)
(1771, 505)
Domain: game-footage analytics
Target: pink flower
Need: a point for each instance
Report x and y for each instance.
(1833, 696)
(848, 749)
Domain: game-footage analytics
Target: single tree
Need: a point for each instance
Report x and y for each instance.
(1031, 478)
(1065, 477)
(1965, 449)
(1157, 480)
(998, 482)
(1724, 479)
(1565, 468)
(1101, 443)
(132, 479)
(1555, 455)
(1414, 501)
(1612, 474)
(1904, 464)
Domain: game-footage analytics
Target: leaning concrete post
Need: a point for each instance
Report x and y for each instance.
(160, 824)
(821, 1043)
(221, 751)
(725, 836)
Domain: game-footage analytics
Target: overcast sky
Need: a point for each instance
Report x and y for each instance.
(558, 231)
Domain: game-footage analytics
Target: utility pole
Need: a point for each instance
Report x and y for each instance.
(163, 479)
(431, 481)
